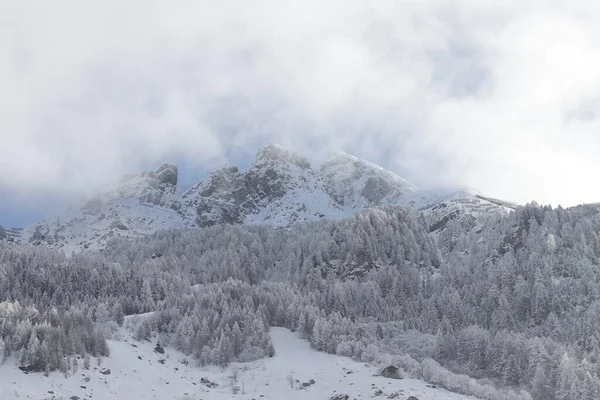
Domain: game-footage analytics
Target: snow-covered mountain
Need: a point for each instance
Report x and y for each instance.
(280, 188)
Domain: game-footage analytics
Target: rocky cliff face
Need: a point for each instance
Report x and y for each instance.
(280, 188)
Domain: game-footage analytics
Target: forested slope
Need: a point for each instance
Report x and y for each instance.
(510, 299)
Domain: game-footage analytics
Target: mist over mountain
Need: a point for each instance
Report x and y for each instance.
(280, 188)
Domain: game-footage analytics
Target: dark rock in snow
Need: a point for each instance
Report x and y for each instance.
(208, 383)
(25, 369)
(339, 397)
(159, 349)
(168, 174)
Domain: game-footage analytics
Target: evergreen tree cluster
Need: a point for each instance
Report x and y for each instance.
(50, 340)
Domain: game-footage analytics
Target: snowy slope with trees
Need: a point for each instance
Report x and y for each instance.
(138, 371)
(506, 312)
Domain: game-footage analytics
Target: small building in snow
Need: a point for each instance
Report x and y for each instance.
(392, 372)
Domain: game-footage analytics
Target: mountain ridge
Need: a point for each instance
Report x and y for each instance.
(279, 188)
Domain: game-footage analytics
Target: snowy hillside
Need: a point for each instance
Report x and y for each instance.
(442, 207)
(280, 188)
(498, 315)
(138, 372)
(10, 234)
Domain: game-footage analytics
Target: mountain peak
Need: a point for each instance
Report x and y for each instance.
(363, 183)
(226, 169)
(341, 157)
(167, 173)
(156, 186)
(278, 153)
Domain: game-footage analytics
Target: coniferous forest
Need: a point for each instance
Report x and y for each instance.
(505, 306)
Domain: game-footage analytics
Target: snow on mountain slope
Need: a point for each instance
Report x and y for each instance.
(137, 205)
(280, 188)
(463, 204)
(137, 372)
(361, 184)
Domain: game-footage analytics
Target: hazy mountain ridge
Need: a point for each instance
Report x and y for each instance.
(136, 205)
(280, 188)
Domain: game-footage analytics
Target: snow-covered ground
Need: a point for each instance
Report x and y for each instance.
(137, 372)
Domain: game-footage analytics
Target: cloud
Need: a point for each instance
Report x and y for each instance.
(495, 95)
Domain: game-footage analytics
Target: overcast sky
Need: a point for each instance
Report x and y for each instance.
(499, 95)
